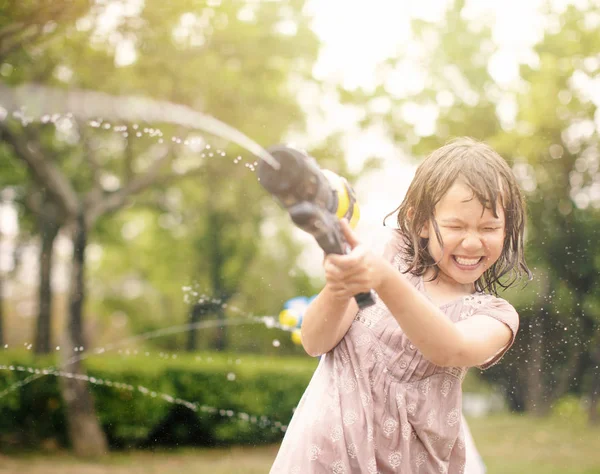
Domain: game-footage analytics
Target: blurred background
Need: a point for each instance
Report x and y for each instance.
(143, 267)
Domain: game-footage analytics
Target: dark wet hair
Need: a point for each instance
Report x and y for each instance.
(492, 180)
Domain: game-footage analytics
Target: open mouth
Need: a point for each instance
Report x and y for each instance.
(467, 263)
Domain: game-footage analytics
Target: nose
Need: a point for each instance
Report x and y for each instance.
(472, 242)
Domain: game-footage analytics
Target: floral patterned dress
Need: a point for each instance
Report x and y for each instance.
(376, 405)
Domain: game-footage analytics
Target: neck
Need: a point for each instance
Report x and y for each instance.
(444, 286)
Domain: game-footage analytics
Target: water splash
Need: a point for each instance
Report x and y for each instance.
(261, 421)
(268, 321)
(33, 100)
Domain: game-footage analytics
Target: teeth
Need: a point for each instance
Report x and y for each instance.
(467, 261)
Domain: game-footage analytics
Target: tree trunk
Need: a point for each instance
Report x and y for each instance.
(217, 263)
(197, 313)
(535, 384)
(1, 307)
(579, 355)
(49, 228)
(1, 281)
(192, 340)
(568, 374)
(538, 401)
(220, 342)
(85, 433)
(593, 415)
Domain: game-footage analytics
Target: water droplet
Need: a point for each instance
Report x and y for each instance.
(231, 376)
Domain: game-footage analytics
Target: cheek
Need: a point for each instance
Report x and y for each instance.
(435, 249)
(495, 244)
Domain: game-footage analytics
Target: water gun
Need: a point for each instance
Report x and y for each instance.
(315, 200)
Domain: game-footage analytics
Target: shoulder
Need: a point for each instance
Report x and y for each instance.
(393, 244)
(394, 250)
(490, 305)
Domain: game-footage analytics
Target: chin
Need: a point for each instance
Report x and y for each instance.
(463, 279)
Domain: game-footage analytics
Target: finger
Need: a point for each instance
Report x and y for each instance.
(339, 261)
(344, 266)
(349, 235)
(351, 261)
(332, 261)
(332, 271)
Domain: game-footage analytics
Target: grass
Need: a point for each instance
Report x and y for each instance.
(210, 461)
(513, 444)
(509, 444)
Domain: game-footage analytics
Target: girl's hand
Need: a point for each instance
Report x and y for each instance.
(356, 272)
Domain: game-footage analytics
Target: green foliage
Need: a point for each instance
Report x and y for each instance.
(198, 223)
(240, 399)
(570, 408)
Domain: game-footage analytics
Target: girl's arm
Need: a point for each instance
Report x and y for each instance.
(326, 321)
(468, 343)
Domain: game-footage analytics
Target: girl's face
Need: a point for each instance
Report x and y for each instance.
(473, 238)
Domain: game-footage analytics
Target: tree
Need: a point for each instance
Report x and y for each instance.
(555, 131)
(26, 30)
(75, 180)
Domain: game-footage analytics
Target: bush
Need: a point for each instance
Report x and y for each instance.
(570, 408)
(199, 399)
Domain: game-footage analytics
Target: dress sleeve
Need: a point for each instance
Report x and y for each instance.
(504, 312)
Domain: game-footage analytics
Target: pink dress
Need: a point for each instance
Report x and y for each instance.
(376, 405)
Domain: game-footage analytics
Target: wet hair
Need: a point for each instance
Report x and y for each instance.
(491, 180)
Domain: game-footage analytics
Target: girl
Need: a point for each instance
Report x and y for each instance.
(386, 396)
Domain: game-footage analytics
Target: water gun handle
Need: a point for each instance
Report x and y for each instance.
(325, 228)
(364, 300)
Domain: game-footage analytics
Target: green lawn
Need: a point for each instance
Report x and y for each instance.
(510, 444)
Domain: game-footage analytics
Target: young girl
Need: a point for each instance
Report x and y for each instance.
(386, 396)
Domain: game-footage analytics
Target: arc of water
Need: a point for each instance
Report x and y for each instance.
(40, 100)
(261, 421)
(269, 321)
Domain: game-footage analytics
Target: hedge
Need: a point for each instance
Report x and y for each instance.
(145, 399)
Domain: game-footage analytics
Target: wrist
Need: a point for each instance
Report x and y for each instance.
(336, 297)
